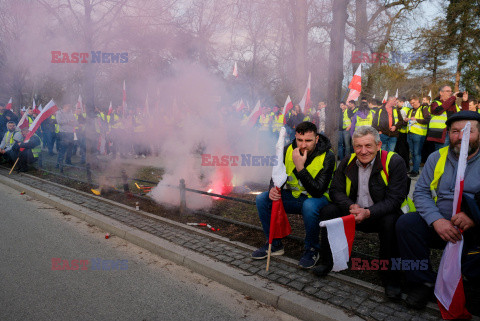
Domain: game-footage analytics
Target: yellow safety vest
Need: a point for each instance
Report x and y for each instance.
(368, 121)
(37, 149)
(417, 128)
(264, 122)
(346, 120)
(9, 138)
(395, 116)
(277, 123)
(438, 172)
(404, 129)
(313, 168)
(407, 205)
(437, 122)
(57, 127)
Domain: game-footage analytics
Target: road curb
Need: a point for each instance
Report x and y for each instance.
(258, 288)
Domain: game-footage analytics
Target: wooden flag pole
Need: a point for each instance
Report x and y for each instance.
(14, 166)
(268, 255)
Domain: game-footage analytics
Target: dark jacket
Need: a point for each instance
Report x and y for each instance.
(33, 142)
(318, 185)
(387, 199)
(380, 122)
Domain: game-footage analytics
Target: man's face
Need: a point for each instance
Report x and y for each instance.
(472, 106)
(366, 148)
(297, 109)
(30, 112)
(343, 106)
(25, 132)
(400, 103)
(275, 109)
(10, 127)
(425, 100)
(321, 105)
(456, 135)
(351, 106)
(446, 93)
(306, 142)
(415, 103)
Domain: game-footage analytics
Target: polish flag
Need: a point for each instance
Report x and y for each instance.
(305, 102)
(253, 117)
(33, 104)
(385, 98)
(23, 121)
(341, 232)
(430, 95)
(9, 105)
(40, 108)
(48, 110)
(355, 85)
(396, 94)
(239, 105)
(235, 70)
(286, 108)
(110, 109)
(449, 284)
(80, 103)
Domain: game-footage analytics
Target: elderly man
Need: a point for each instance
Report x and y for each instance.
(433, 225)
(28, 152)
(8, 142)
(309, 164)
(371, 184)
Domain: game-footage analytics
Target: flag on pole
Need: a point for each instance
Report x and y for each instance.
(23, 121)
(33, 104)
(305, 102)
(9, 105)
(110, 109)
(251, 120)
(235, 70)
(40, 108)
(449, 284)
(47, 111)
(385, 98)
(147, 107)
(239, 105)
(396, 94)
(355, 84)
(286, 108)
(341, 232)
(430, 95)
(279, 225)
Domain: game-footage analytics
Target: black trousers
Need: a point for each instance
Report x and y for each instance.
(416, 238)
(401, 148)
(384, 226)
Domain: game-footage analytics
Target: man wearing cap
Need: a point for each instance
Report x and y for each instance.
(433, 225)
(11, 136)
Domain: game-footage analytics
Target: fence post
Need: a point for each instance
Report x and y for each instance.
(89, 174)
(183, 202)
(126, 189)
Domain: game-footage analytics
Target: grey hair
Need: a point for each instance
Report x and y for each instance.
(443, 87)
(366, 130)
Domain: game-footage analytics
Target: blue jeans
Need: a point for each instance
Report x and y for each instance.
(347, 141)
(415, 142)
(308, 207)
(388, 143)
(49, 140)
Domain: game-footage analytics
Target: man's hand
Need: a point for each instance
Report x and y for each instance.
(393, 128)
(348, 127)
(446, 230)
(465, 96)
(462, 221)
(360, 213)
(298, 159)
(274, 194)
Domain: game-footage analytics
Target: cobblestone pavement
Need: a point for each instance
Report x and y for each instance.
(352, 298)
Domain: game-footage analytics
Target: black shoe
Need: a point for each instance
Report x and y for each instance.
(322, 269)
(393, 292)
(413, 174)
(419, 296)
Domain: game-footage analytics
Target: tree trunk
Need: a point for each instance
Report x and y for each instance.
(361, 27)
(335, 69)
(300, 39)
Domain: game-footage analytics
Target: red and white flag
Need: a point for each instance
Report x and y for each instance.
(40, 108)
(33, 104)
(253, 117)
(23, 121)
(48, 110)
(341, 232)
(235, 70)
(80, 104)
(449, 284)
(385, 98)
(110, 109)
(9, 105)
(305, 103)
(396, 94)
(286, 108)
(355, 85)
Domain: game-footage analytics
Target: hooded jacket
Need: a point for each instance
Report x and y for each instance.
(318, 185)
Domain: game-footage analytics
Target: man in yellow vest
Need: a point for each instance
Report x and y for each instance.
(277, 120)
(441, 108)
(387, 121)
(309, 164)
(11, 136)
(417, 119)
(28, 152)
(433, 225)
(371, 184)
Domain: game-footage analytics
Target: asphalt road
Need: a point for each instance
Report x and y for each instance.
(122, 281)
